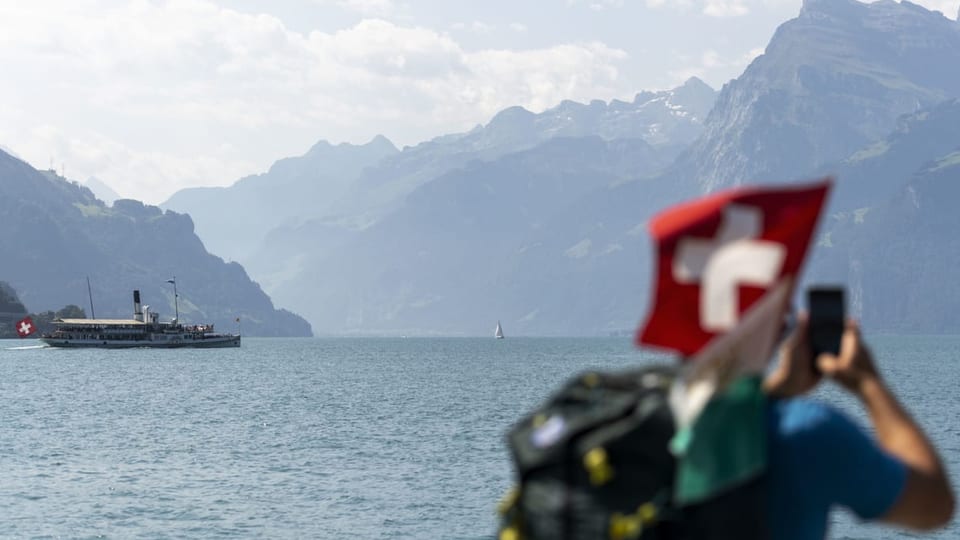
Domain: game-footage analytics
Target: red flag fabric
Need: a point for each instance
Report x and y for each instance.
(25, 327)
(720, 255)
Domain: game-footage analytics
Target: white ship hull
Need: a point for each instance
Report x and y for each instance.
(156, 341)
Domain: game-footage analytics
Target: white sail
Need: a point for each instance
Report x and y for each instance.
(498, 333)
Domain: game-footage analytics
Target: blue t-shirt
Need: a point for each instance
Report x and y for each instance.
(818, 458)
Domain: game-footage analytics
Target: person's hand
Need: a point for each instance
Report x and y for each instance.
(795, 373)
(854, 365)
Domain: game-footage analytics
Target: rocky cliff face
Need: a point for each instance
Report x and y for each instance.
(891, 234)
(58, 234)
(832, 80)
(877, 173)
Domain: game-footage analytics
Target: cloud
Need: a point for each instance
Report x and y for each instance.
(949, 8)
(152, 97)
(601, 5)
(740, 8)
(681, 5)
(476, 27)
(370, 8)
(725, 8)
(133, 171)
(598, 5)
(714, 8)
(485, 29)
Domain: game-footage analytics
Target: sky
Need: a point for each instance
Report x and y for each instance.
(153, 96)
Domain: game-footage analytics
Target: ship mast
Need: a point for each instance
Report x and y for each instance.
(93, 315)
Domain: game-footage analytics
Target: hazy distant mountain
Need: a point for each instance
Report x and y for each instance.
(11, 310)
(350, 187)
(439, 263)
(57, 234)
(892, 235)
(234, 220)
(668, 121)
(877, 173)
(831, 81)
(907, 253)
(671, 118)
(101, 190)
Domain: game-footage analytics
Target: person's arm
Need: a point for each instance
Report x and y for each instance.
(927, 499)
(794, 374)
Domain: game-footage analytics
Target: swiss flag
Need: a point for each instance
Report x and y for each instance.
(726, 268)
(25, 327)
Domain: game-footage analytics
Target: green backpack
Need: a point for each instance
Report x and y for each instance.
(594, 462)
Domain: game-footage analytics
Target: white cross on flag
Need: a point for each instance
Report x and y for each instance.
(25, 327)
(726, 268)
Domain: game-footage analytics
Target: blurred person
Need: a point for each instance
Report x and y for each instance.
(819, 458)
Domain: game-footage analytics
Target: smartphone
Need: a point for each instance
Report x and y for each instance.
(827, 319)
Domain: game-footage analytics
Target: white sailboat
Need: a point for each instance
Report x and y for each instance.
(498, 333)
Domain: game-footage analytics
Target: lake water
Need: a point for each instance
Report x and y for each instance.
(321, 438)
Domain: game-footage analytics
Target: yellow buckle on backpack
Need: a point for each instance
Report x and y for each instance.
(597, 465)
(510, 533)
(508, 501)
(630, 526)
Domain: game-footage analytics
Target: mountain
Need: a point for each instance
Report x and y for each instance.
(234, 220)
(895, 245)
(57, 234)
(351, 187)
(900, 258)
(11, 310)
(670, 118)
(666, 120)
(831, 81)
(878, 172)
(442, 262)
(101, 190)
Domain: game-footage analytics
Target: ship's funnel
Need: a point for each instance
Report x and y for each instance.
(137, 312)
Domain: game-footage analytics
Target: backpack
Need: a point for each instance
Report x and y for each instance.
(593, 462)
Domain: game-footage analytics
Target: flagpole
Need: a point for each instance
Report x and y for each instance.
(176, 304)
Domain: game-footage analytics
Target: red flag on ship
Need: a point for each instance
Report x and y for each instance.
(25, 327)
(726, 265)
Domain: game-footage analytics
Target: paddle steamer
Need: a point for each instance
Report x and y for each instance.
(144, 330)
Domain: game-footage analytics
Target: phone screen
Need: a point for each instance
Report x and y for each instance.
(827, 316)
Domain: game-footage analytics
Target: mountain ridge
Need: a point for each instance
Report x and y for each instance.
(59, 234)
(834, 78)
(667, 120)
